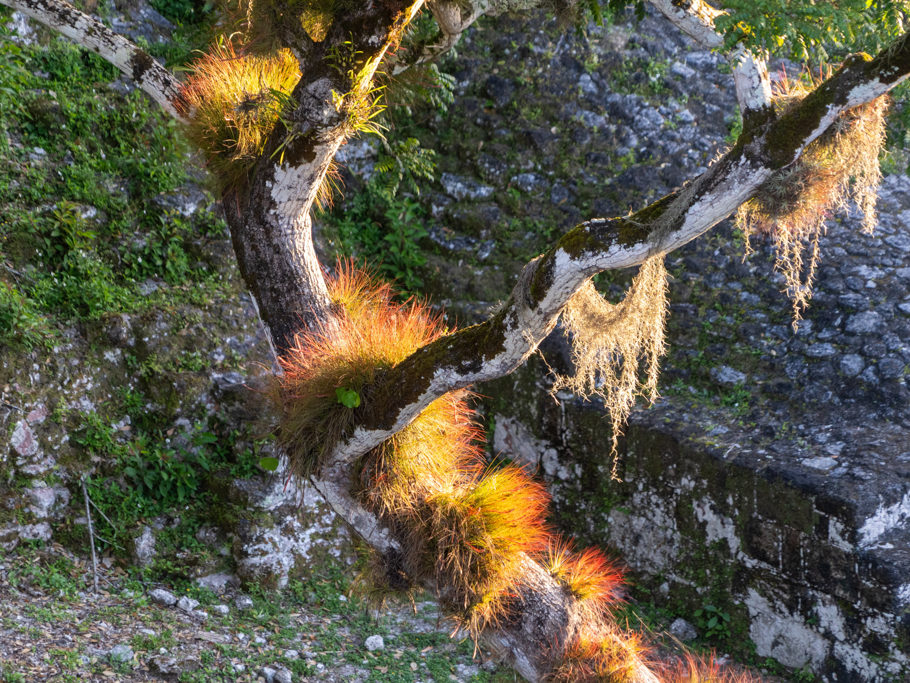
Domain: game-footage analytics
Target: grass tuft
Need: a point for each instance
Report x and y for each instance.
(471, 538)
(614, 658)
(694, 669)
(839, 167)
(233, 102)
(369, 333)
(587, 574)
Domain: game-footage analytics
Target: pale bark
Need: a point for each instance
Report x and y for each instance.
(159, 83)
(696, 19)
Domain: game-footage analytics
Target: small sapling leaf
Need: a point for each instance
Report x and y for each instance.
(269, 464)
(347, 397)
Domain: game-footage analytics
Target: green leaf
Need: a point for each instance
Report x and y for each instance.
(269, 464)
(347, 397)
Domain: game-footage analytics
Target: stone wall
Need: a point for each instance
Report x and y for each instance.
(812, 566)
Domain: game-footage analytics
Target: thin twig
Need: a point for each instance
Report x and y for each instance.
(109, 542)
(91, 535)
(98, 509)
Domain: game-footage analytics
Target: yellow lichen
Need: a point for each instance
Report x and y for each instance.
(610, 343)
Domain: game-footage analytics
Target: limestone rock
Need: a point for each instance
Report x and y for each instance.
(187, 604)
(163, 597)
(243, 602)
(683, 630)
(144, 547)
(121, 653)
(45, 502)
(218, 583)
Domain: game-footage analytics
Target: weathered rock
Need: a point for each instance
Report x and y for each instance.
(121, 653)
(144, 547)
(46, 502)
(303, 528)
(863, 323)
(459, 187)
(160, 596)
(851, 364)
(23, 440)
(218, 583)
(35, 532)
(164, 664)
(243, 602)
(374, 642)
(727, 375)
(187, 604)
(683, 630)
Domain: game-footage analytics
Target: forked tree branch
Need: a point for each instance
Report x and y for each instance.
(159, 83)
(454, 17)
(497, 346)
(546, 613)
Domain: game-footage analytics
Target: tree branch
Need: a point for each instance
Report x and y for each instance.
(159, 83)
(496, 347)
(545, 613)
(544, 620)
(454, 17)
(269, 217)
(696, 18)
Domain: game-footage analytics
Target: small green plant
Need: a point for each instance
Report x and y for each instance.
(349, 398)
(404, 162)
(713, 622)
(382, 231)
(66, 233)
(734, 124)
(21, 324)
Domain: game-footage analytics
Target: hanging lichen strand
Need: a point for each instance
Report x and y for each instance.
(233, 102)
(466, 527)
(792, 207)
(610, 344)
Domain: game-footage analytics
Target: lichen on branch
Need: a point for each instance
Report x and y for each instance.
(610, 342)
(464, 527)
(839, 167)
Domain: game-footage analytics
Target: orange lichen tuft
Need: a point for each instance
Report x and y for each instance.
(588, 574)
(475, 533)
(344, 355)
(233, 102)
(615, 657)
(839, 166)
(694, 669)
